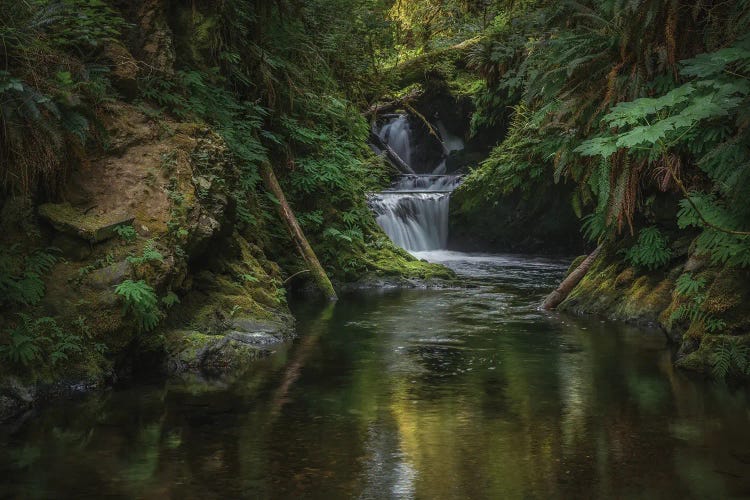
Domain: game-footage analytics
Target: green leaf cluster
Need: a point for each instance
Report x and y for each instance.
(140, 300)
(651, 251)
(39, 340)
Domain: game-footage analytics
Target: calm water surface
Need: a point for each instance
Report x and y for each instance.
(470, 393)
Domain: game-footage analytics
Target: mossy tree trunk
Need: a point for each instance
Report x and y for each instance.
(303, 246)
(569, 283)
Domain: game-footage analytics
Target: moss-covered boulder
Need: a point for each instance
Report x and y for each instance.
(246, 340)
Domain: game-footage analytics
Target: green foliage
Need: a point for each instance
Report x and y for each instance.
(140, 301)
(687, 286)
(170, 299)
(39, 340)
(601, 97)
(519, 162)
(722, 247)
(696, 119)
(52, 77)
(127, 233)
(693, 309)
(22, 275)
(730, 358)
(196, 94)
(651, 251)
(150, 254)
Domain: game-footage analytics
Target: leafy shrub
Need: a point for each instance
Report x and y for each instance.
(651, 251)
(140, 301)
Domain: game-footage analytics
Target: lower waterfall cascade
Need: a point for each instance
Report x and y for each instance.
(414, 211)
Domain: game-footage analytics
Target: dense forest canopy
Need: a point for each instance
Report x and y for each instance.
(640, 107)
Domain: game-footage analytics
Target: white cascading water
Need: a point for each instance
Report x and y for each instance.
(397, 134)
(414, 211)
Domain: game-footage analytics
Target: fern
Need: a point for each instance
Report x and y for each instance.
(23, 346)
(728, 358)
(651, 251)
(21, 277)
(127, 233)
(688, 286)
(170, 299)
(150, 254)
(140, 301)
(39, 340)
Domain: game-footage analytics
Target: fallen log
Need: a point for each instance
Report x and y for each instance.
(392, 105)
(555, 298)
(300, 241)
(392, 156)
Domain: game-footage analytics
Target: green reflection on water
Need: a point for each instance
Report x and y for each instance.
(420, 393)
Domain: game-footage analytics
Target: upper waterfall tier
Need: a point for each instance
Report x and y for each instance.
(420, 148)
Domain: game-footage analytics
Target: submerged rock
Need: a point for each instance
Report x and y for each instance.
(250, 339)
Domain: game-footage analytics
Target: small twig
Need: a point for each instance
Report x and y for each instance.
(296, 274)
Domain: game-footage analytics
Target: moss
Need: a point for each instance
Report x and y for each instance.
(625, 277)
(701, 359)
(395, 262)
(618, 292)
(91, 227)
(185, 345)
(574, 265)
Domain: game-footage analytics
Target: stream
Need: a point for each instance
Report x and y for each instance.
(423, 393)
(452, 393)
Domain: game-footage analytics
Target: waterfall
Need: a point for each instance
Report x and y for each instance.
(414, 211)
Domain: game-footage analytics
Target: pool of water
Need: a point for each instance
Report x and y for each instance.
(459, 393)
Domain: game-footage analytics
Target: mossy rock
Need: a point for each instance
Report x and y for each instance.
(702, 359)
(248, 340)
(620, 292)
(93, 228)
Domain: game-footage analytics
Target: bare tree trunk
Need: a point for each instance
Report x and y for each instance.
(561, 293)
(304, 248)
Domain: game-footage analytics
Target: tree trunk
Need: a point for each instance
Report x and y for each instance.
(304, 248)
(561, 293)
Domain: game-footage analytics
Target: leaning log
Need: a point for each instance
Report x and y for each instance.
(300, 241)
(569, 283)
(392, 156)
